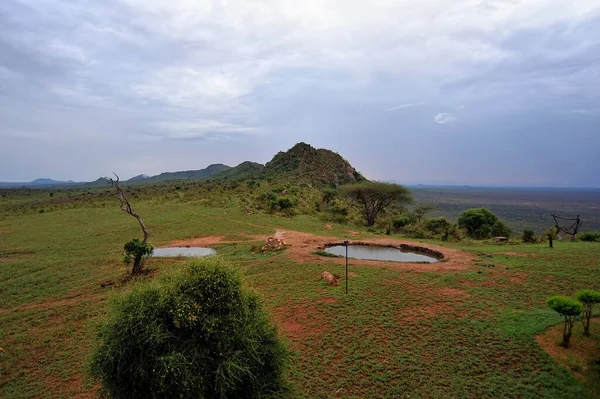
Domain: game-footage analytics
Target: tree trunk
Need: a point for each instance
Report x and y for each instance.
(137, 265)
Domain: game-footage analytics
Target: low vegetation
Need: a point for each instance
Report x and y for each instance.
(195, 332)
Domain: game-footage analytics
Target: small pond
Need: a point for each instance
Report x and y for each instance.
(195, 252)
(371, 252)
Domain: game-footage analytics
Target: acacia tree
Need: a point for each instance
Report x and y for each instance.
(135, 250)
(588, 298)
(568, 308)
(422, 210)
(376, 196)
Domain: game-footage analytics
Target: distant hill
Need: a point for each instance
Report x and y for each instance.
(199, 174)
(303, 162)
(139, 177)
(39, 183)
(243, 170)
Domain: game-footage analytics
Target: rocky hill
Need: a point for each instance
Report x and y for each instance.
(320, 166)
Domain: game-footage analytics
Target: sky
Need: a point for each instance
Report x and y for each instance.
(480, 92)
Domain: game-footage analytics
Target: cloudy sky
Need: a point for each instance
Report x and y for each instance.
(488, 92)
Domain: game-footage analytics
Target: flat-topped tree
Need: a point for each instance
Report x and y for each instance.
(376, 196)
(135, 250)
(589, 299)
(568, 308)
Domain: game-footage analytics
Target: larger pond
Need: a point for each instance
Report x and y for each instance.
(371, 252)
(195, 252)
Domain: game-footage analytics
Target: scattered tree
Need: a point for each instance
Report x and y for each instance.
(528, 236)
(569, 308)
(441, 226)
(480, 223)
(329, 195)
(400, 222)
(422, 210)
(588, 298)
(194, 332)
(376, 196)
(135, 250)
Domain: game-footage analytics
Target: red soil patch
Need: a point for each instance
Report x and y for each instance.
(581, 352)
(301, 245)
(328, 300)
(453, 292)
(301, 323)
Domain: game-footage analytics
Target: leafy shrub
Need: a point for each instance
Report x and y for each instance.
(528, 236)
(569, 308)
(480, 223)
(137, 251)
(329, 195)
(285, 203)
(441, 226)
(193, 333)
(589, 237)
(400, 222)
(588, 298)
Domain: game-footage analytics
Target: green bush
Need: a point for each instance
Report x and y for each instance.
(589, 237)
(569, 308)
(528, 236)
(400, 222)
(480, 223)
(285, 203)
(588, 298)
(195, 332)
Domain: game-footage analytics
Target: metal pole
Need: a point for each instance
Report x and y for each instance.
(346, 243)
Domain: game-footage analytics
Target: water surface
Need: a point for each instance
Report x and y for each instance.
(196, 252)
(369, 252)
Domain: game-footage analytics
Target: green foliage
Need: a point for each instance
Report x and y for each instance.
(135, 249)
(194, 333)
(528, 236)
(569, 308)
(422, 210)
(565, 306)
(376, 196)
(285, 203)
(329, 195)
(441, 226)
(480, 223)
(588, 298)
(589, 237)
(400, 222)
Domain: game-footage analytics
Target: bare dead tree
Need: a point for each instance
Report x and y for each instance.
(572, 230)
(141, 254)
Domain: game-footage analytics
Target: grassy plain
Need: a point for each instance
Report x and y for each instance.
(400, 333)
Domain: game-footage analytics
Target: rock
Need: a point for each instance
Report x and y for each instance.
(332, 279)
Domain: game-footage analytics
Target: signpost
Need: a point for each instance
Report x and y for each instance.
(346, 244)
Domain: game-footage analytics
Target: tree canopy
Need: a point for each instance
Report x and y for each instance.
(481, 223)
(376, 196)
